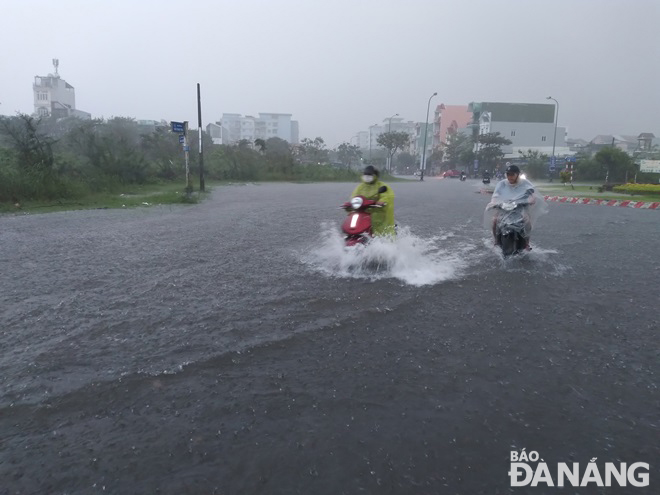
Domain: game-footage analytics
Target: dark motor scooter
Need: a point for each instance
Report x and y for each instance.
(510, 227)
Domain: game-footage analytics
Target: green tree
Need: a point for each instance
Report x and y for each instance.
(163, 151)
(458, 150)
(490, 149)
(393, 141)
(26, 136)
(260, 144)
(435, 158)
(278, 156)
(536, 164)
(348, 153)
(618, 165)
(405, 161)
(312, 151)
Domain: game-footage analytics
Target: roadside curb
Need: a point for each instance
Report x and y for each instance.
(604, 202)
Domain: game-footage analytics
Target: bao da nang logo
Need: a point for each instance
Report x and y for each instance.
(528, 469)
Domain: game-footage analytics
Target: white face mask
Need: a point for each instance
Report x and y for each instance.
(368, 178)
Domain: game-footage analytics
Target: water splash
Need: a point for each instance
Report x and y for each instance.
(409, 258)
(540, 260)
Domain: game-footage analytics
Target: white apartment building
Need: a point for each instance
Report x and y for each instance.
(369, 138)
(529, 126)
(54, 96)
(235, 127)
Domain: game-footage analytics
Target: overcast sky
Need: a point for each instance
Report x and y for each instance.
(339, 66)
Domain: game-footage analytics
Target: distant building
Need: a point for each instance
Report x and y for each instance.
(53, 96)
(643, 143)
(628, 144)
(215, 131)
(150, 126)
(295, 133)
(372, 136)
(577, 145)
(529, 126)
(646, 141)
(362, 140)
(449, 119)
(234, 127)
(418, 145)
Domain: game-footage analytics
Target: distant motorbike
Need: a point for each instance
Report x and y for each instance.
(463, 176)
(486, 179)
(357, 225)
(510, 226)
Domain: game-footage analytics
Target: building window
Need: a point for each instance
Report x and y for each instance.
(513, 133)
(542, 138)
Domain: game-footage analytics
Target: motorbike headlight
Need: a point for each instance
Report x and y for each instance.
(356, 203)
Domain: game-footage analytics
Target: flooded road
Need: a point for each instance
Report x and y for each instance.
(232, 347)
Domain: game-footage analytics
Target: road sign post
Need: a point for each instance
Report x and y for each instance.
(182, 129)
(185, 151)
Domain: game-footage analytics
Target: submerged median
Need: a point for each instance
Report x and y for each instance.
(633, 192)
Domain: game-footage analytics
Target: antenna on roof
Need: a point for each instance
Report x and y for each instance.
(56, 64)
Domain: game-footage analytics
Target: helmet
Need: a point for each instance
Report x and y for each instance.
(512, 169)
(370, 170)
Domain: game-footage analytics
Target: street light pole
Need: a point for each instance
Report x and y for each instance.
(370, 144)
(554, 139)
(426, 131)
(389, 157)
(350, 143)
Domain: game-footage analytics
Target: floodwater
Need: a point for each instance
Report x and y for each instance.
(233, 347)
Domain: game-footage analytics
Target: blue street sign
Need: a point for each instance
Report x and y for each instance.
(476, 164)
(186, 148)
(178, 127)
(182, 138)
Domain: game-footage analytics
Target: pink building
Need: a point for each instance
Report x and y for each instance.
(449, 118)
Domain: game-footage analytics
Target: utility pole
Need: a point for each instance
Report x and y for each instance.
(554, 139)
(201, 153)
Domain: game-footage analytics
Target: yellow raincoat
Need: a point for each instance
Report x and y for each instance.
(382, 219)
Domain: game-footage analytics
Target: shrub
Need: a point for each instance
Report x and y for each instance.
(638, 188)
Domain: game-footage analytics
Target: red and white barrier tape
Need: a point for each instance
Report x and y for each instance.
(605, 202)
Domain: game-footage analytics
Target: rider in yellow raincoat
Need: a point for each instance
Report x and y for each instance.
(382, 219)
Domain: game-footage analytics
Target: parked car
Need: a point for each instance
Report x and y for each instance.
(452, 174)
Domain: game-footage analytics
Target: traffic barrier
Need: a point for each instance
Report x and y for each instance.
(645, 205)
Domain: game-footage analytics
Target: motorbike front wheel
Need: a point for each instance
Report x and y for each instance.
(512, 243)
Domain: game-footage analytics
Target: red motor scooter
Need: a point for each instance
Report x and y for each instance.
(357, 226)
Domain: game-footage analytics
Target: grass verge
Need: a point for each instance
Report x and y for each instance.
(131, 196)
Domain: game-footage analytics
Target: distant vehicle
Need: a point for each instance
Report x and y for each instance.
(452, 174)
